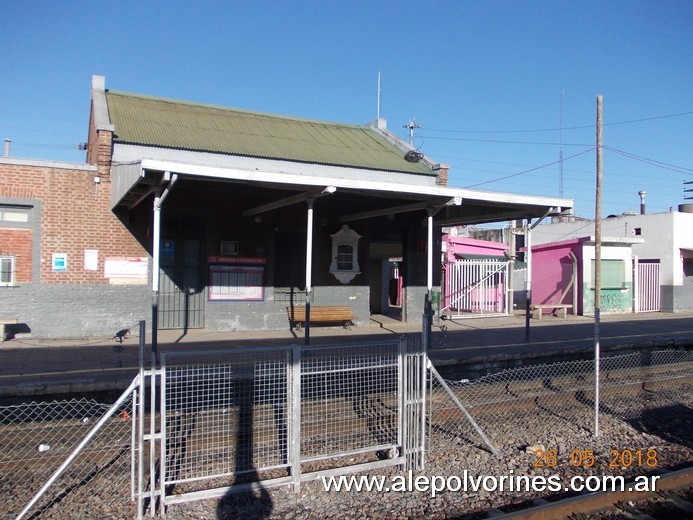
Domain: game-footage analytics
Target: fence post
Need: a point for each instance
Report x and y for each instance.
(427, 322)
(413, 404)
(139, 419)
(294, 398)
(636, 285)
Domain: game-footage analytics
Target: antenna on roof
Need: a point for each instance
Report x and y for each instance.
(411, 125)
(412, 156)
(379, 90)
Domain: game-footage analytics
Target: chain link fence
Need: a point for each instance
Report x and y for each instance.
(559, 396)
(36, 439)
(345, 404)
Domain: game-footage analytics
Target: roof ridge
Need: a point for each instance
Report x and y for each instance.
(241, 111)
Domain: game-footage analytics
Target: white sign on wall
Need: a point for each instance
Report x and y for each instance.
(91, 259)
(126, 270)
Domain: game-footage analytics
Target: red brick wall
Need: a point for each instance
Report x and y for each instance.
(442, 175)
(99, 148)
(75, 215)
(17, 242)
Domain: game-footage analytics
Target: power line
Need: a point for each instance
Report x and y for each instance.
(42, 116)
(57, 146)
(530, 170)
(504, 141)
(652, 162)
(581, 127)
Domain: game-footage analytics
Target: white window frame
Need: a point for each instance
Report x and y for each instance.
(345, 239)
(7, 281)
(15, 215)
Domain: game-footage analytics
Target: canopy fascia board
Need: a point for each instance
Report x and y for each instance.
(530, 206)
(278, 177)
(441, 192)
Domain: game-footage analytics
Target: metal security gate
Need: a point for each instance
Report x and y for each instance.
(474, 288)
(646, 297)
(181, 293)
(266, 417)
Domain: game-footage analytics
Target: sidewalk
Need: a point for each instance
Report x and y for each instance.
(35, 367)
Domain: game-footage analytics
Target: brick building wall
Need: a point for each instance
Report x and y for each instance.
(68, 213)
(75, 216)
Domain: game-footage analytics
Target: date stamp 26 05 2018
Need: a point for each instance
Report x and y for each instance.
(618, 458)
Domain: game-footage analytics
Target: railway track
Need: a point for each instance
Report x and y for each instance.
(670, 501)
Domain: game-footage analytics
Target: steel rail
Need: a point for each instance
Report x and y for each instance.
(590, 503)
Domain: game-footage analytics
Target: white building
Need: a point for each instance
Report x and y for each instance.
(668, 239)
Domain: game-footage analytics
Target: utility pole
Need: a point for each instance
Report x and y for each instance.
(528, 279)
(597, 264)
(560, 150)
(687, 190)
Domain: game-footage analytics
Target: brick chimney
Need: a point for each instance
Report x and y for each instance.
(99, 147)
(442, 173)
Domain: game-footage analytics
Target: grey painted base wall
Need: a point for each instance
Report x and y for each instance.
(76, 311)
(79, 311)
(272, 315)
(416, 298)
(678, 298)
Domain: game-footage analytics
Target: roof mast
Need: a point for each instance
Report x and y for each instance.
(379, 90)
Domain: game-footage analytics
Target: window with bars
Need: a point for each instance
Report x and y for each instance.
(6, 270)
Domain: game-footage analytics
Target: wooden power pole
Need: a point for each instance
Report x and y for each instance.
(597, 264)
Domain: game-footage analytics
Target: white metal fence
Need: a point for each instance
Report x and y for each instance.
(476, 288)
(284, 415)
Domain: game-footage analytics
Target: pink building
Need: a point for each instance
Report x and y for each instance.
(474, 277)
(563, 274)
(554, 272)
(459, 248)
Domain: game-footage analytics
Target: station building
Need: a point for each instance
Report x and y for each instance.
(199, 216)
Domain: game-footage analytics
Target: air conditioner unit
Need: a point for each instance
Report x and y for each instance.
(229, 247)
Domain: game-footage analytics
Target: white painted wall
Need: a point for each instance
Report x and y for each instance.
(667, 237)
(683, 243)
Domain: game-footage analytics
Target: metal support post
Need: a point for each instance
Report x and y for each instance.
(309, 266)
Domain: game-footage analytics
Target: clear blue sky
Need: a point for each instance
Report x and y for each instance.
(484, 79)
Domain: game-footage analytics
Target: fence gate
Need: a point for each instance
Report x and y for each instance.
(646, 296)
(265, 417)
(475, 288)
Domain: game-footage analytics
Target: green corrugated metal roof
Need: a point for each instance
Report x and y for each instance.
(166, 123)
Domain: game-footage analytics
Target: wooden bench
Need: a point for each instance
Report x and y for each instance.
(321, 314)
(553, 307)
(4, 322)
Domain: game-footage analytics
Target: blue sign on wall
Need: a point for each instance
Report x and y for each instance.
(166, 248)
